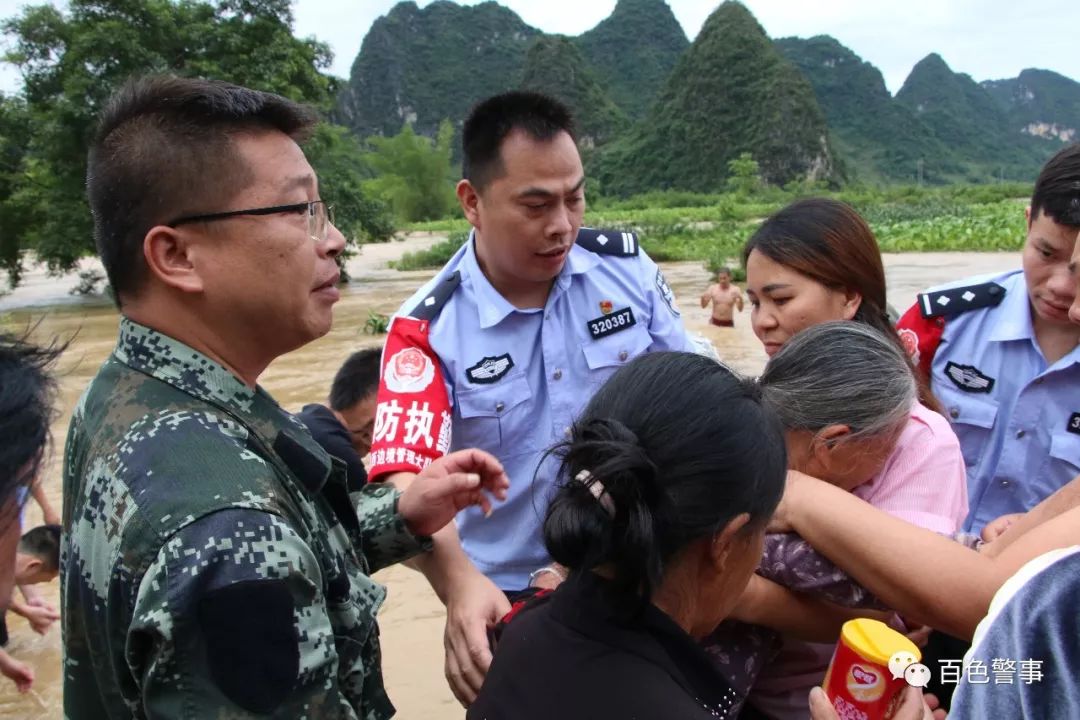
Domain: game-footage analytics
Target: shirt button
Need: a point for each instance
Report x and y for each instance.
(558, 374)
(1004, 483)
(623, 355)
(1020, 434)
(954, 412)
(566, 431)
(499, 406)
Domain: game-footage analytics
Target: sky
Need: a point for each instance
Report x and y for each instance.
(987, 39)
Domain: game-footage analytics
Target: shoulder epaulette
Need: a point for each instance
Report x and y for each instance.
(430, 307)
(608, 242)
(953, 301)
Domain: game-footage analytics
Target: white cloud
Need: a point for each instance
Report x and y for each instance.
(988, 39)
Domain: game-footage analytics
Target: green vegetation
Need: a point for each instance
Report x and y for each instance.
(556, 67)
(731, 92)
(434, 257)
(73, 59)
(676, 226)
(963, 116)
(880, 138)
(805, 109)
(421, 65)
(412, 173)
(633, 51)
(376, 324)
(689, 144)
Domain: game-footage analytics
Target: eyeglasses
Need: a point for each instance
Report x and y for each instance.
(320, 216)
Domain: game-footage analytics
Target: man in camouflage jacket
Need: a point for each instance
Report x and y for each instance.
(214, 564)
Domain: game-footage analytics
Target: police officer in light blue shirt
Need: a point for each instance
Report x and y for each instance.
(503, 348)
(1003, 359)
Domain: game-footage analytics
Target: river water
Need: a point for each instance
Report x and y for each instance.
(411, 621)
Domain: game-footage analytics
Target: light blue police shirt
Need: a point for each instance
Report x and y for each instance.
(555, 366)
(1018, 418)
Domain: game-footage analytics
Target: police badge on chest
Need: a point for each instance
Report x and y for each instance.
(611, 323)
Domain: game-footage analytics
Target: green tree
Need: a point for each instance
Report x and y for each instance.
(73, 60)
(413, 173)
(14, 138)
(745, 174)
(339, 158)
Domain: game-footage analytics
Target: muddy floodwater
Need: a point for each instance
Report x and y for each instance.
(412, 619)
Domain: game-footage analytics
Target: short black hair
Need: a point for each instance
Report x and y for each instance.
(43, 542)
(27, 391)
(357, 379)
(490, 121)
(1057, 190)
(163, 150)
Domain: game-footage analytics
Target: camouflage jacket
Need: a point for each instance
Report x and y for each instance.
(213, 563)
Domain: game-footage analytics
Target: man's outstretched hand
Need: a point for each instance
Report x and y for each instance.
(450, 484)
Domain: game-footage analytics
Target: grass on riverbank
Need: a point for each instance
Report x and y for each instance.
(712, 228)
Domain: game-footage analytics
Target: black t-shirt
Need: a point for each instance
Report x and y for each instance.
(336, 440)
(571, 655)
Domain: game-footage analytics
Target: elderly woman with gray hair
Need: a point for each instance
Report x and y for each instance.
(849, 405)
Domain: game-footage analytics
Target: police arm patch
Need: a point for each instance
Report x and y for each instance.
(412, 413)
(920, 336)
(252, 648)
(665, 292)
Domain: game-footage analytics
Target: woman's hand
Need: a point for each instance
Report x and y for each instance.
(912, 706)
(783, 519)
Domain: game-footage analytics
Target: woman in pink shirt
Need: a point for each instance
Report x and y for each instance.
(847, 399)
(814, 262)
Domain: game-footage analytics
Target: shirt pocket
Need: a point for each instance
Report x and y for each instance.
(1064, 462)
(496, 417)
(972, 420)
(352, 620)
(606, 355)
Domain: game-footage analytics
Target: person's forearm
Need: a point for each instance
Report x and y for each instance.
(807, 618)
(1062, 501)
(18, 605)
(445, 563)
(38, 493)
(447, 560)
(922, 575)
(1058, 532)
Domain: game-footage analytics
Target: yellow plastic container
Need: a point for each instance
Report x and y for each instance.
(859, 681)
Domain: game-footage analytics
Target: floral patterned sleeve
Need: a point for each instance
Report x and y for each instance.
(792, 562)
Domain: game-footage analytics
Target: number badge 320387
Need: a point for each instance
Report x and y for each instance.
(610, 324)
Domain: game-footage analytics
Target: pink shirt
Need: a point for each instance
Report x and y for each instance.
(924, 482)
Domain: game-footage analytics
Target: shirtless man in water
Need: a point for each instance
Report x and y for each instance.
(724, 296)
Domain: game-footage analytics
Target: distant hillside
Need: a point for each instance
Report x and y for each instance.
(964, 116)
(633, 51)
(555, 66)
(731, 92)
(1040, 103)
(877, 136)
(422, 65)
(658, 112)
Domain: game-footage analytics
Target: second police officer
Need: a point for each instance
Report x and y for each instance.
(504, 347)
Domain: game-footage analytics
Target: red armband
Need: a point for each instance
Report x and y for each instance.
(921, 337)
(412, 416)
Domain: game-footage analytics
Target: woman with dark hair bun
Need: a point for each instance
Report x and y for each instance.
(668, 481)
